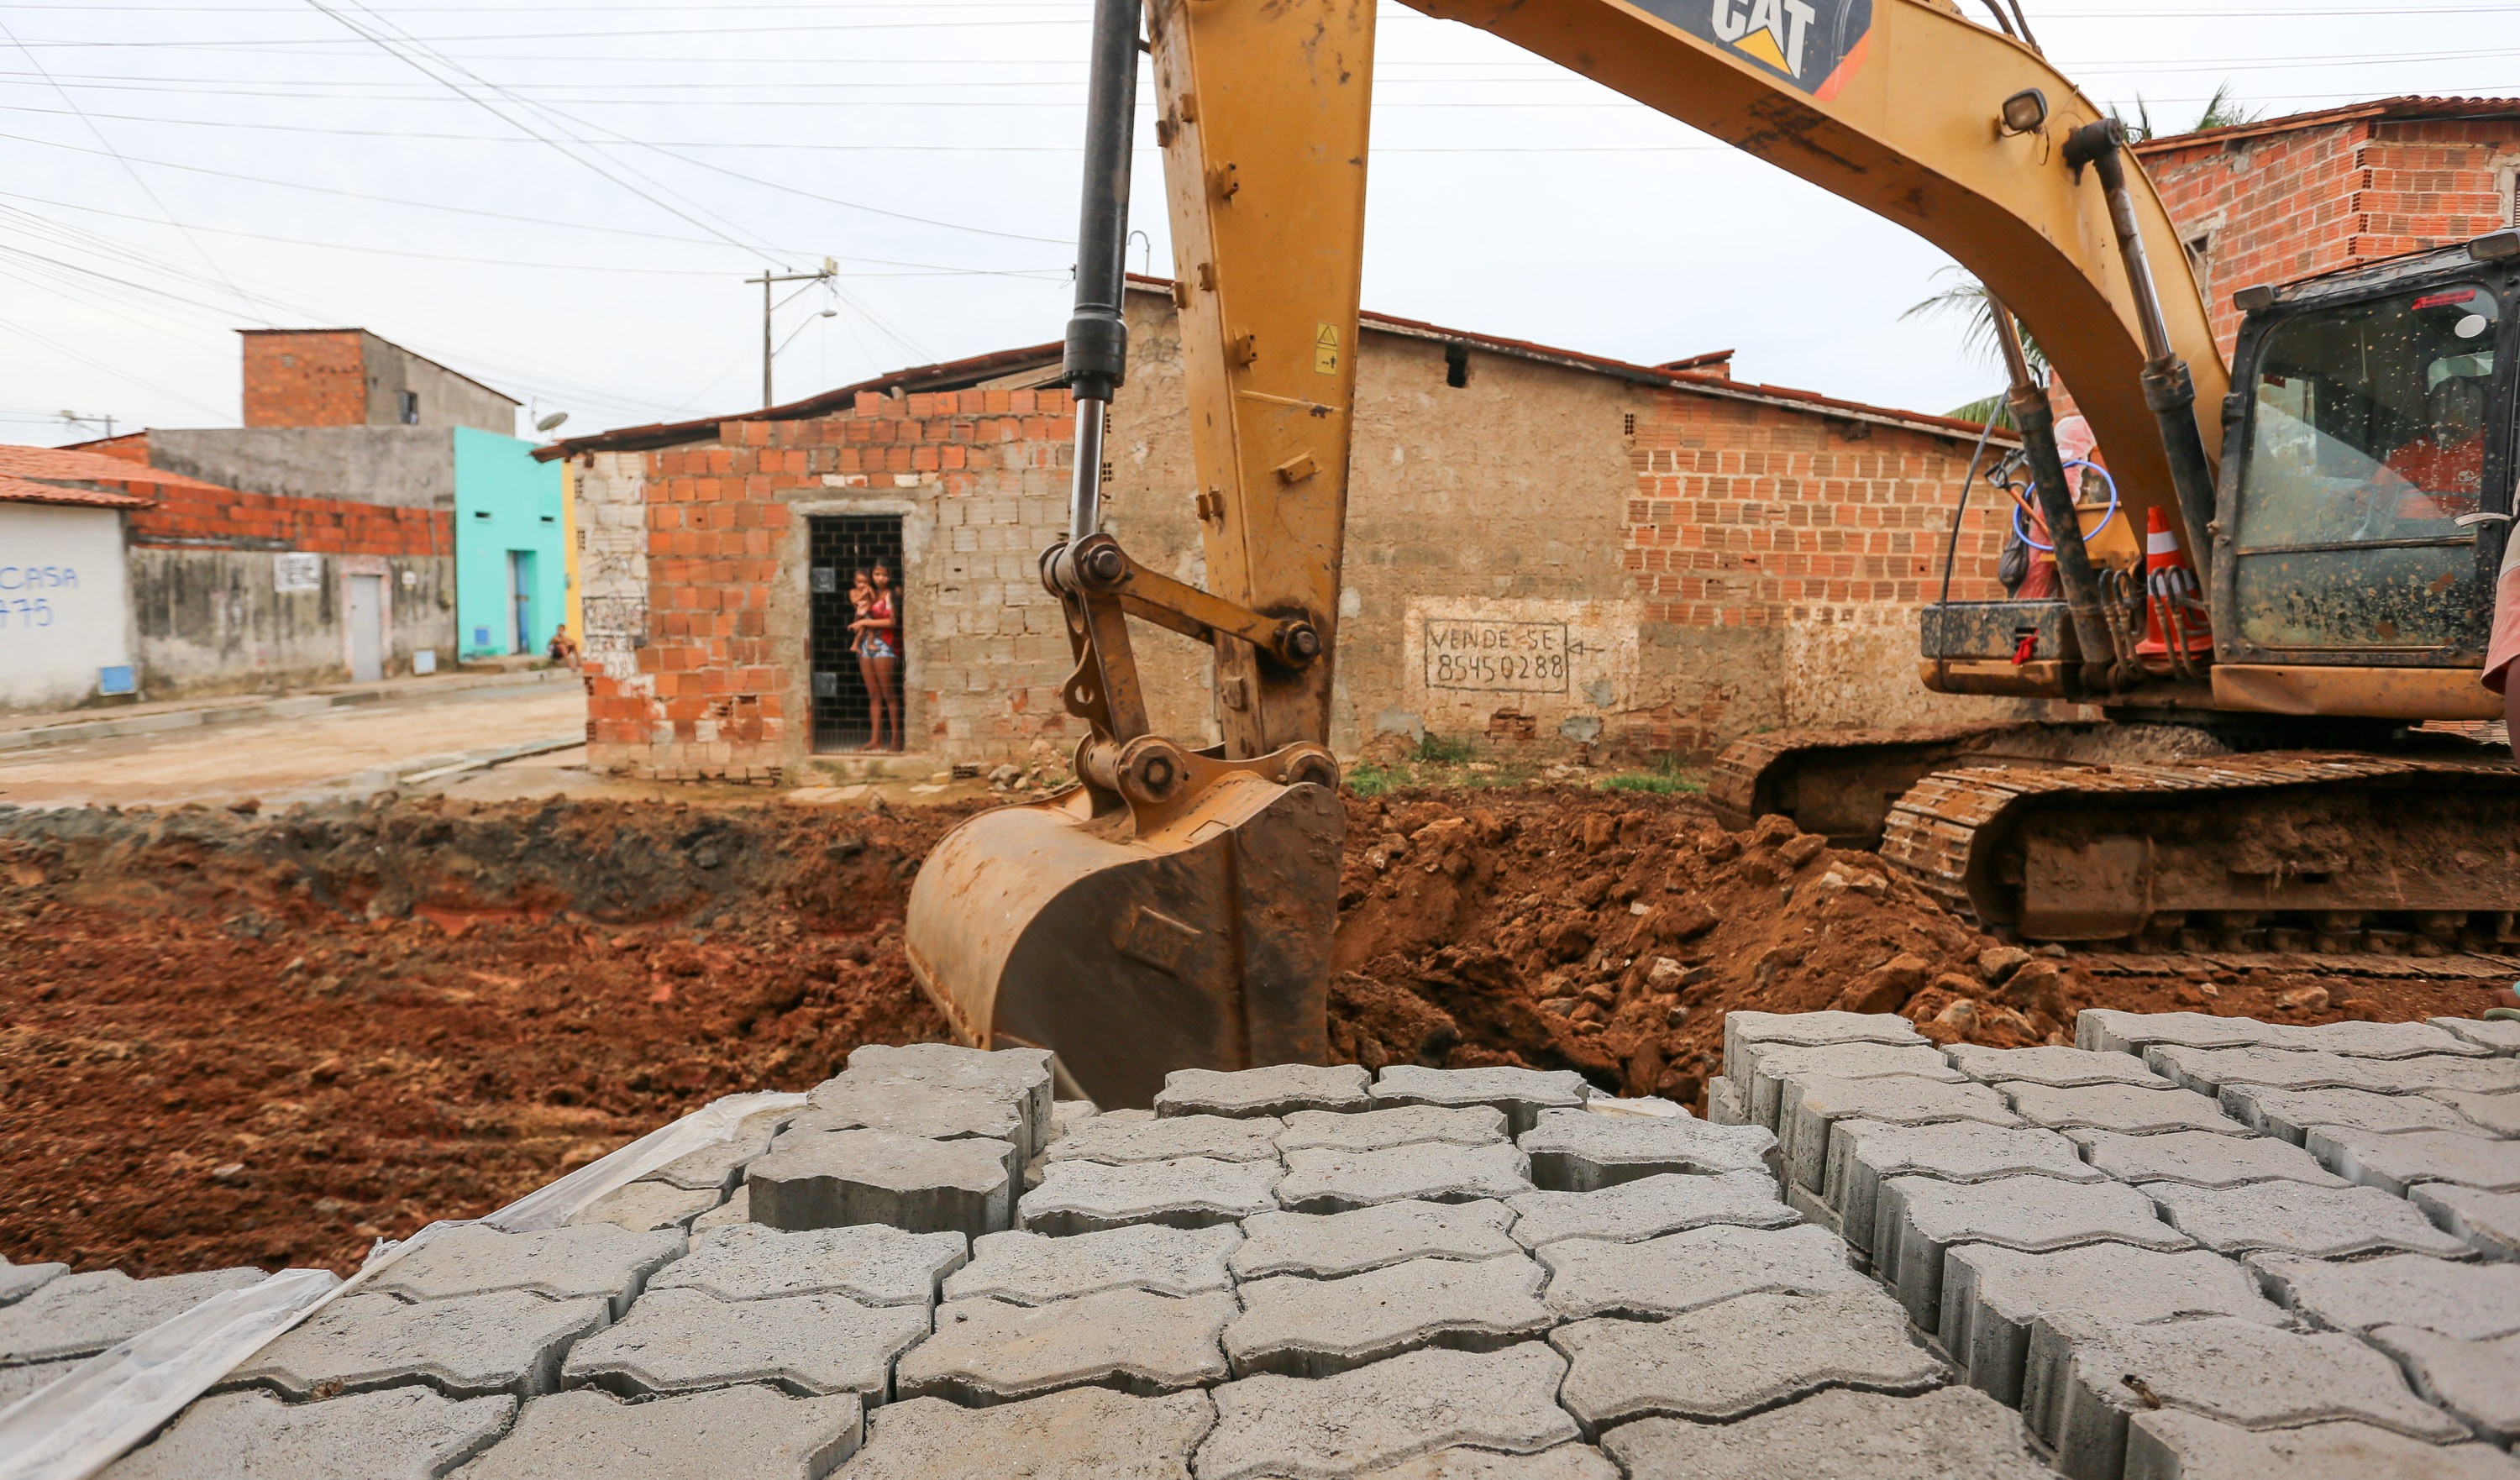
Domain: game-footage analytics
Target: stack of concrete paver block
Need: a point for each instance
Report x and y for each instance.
(2170, 1253)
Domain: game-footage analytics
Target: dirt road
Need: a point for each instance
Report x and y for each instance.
(285, 759)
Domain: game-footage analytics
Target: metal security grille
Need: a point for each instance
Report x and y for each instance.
(844, 545)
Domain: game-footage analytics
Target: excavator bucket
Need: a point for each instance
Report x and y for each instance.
(1203, 943)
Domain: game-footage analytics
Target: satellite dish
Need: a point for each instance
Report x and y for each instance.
(551, 421)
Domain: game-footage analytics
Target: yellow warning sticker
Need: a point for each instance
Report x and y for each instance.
(1325, 348)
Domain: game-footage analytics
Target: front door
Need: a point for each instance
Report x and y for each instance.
(367, 628)
(522, 628)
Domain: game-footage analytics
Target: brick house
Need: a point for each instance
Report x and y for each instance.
(183, 586)
(2283, 199)
(1712, 556)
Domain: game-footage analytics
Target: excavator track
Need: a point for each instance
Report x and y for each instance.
(2282, 851)
(1841, 782)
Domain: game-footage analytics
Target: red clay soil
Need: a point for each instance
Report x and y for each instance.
(227, 1039)
(1610, 933)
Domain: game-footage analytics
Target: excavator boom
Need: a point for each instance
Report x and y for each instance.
(1176, 907)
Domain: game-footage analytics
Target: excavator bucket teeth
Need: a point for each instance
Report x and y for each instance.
(1202, 943)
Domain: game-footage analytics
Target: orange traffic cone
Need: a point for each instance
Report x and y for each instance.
(2174, 607)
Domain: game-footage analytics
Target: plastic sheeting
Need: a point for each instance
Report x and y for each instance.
(112, 1401)
(547, 1207)
(88, 1419)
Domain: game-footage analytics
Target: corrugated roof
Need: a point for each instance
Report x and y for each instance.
(2409, 107)
(14, 490)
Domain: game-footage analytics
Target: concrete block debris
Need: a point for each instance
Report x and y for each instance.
(1416, 1403)
(1124, 1136)
(81, 1315)
(1648, 1207)
(1335, 1182)
(1519, 1095)
(1573, 1151)
(1952, 1433)
(558, 1264)
(1402, 1125)
(1305, 1327)
(751, 1431)
(685, 1340)
(836, 1178)
(1326, 1245)
(2295, 1218)
(1028, 1269)
(407, 1433)
(1680, 1272)
(1194, 1191)
(1994, 1297)
(1086, 1434)
(1278, 1091)
(988, 1351)
(1732, 1359)
(466, 1346)
(870, 1263)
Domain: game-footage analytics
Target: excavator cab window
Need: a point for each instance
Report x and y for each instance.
(2368, 437)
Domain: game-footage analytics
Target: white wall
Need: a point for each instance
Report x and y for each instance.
(65, 605)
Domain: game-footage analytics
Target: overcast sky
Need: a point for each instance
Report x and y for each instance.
(563, 199)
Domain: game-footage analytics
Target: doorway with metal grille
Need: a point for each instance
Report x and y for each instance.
(856, 681)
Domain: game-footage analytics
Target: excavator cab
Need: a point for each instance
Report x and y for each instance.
(2368, 472)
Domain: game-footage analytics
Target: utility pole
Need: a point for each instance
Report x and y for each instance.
(85, 420)
(830, 270)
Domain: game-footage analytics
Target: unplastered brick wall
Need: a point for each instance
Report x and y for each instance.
(719, 685)
(313, 379)
(1827, 533)
(2278, 207)
(190, 515)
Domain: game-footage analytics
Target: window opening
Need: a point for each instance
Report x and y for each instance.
(1457, 365)
(856, 675)
(411, 408)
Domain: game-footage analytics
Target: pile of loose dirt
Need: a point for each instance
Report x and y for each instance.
(231, 1040)
(1610, 933)
(268, 1040)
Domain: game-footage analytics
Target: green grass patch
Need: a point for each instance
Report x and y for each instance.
(1654, 782)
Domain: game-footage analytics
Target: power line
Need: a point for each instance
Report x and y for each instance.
(128, 168)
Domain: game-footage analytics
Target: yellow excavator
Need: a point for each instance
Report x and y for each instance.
(1176, 906)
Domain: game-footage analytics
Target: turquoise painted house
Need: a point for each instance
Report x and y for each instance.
(510, 562)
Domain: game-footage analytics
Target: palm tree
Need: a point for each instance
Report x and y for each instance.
(2221, 111)
(1967, 297)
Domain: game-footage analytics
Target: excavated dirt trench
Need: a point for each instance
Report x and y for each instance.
(229, 1039)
